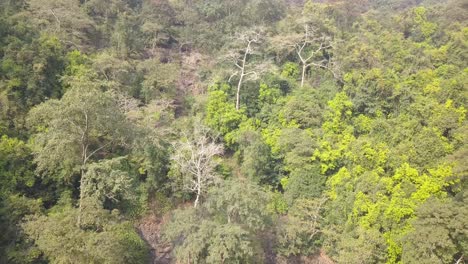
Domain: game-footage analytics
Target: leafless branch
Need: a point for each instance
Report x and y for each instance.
(306, 53)
(195, 157)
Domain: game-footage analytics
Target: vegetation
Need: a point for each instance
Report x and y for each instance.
(257, 131)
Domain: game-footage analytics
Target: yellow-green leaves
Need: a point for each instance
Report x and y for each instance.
(221, 115)
(420, 18)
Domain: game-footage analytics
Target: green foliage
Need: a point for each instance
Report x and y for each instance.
(29, 72)
(107, 180)
(107, 239)
(160, 80)
(72, 130)
(154, 162)
(439, 234)
(255, 158)
(16, 170)
(223, 229)
(422, 28)
(338, 134)
(278, 204)
(268, 95)
(221, 115)
(361, 245)
(302, 109)
(209, 23)
(107, 85)
(14, 245)
(290, 70)
(300, 230)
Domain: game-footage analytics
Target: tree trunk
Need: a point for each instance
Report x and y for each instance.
(241, 76)
(304, 68)
(80, 206)
(195, 204)
(238, 90)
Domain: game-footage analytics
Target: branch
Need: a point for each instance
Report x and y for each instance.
(96, 150)
(237, 64)
(318, 64)
(234, 74)
(251, 72)
(56, 18)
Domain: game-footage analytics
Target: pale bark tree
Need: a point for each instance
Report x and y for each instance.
(195, 158)
(240, 59)
(309, 49)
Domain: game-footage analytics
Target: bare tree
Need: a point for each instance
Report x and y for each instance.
(195, 157)
(309, 49)
(249, 39)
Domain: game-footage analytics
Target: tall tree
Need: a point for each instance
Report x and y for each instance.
(223, 229)
(77, 129)
(240, 58)
(195, 158)
(310, 50)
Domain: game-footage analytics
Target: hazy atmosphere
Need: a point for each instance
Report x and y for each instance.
(233, 131)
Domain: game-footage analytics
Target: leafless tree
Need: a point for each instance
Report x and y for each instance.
(240, 57)
(195, 157)
(309, 49)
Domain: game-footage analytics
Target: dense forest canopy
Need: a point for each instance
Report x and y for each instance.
(233, 131)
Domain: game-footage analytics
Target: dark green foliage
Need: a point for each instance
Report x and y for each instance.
(30, 68)
(15, 247)
(16, 169)
(106, 239)
(363, 162)
(255, 159)
(440, 233)
(222, 229)
(300, 231)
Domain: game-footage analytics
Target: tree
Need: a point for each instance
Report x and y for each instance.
(106, 179)
(311, 44)
(195, 158)
(300, 231)
(439, 235)
(240, 58)
(221, 115)
(223, 229)
(106, 239)
(64, 19)
(311, 47)
(75, 130)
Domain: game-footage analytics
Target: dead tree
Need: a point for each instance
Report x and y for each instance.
(310, 48)
(195, 157)
(240, 60)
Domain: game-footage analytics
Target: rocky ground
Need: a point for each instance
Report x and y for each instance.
(149, 228)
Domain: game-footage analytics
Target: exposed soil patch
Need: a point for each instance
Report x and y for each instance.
(319, 258)
(149, 228)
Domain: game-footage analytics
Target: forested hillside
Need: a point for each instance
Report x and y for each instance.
(233, 131)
